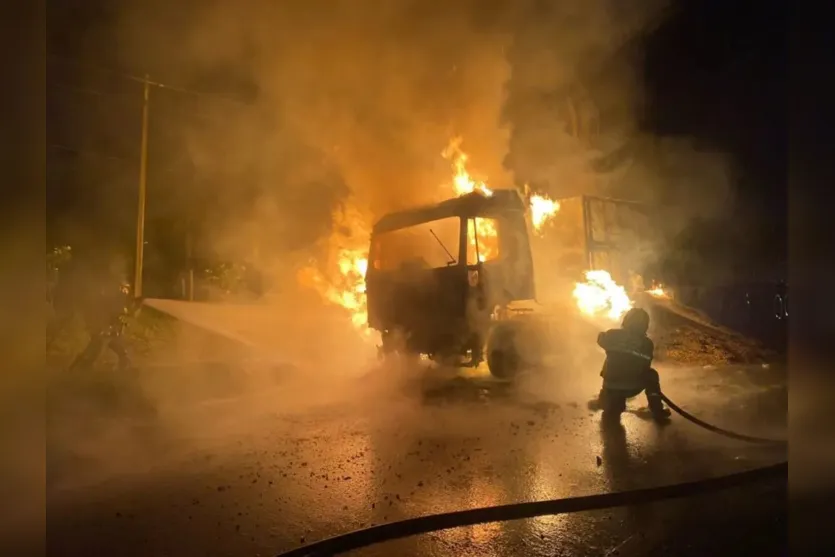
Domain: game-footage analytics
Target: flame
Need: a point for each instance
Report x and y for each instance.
(658, 291)
(542, 209)
(348, 258)
(345, 289)
(353, 265)
(601, 296)
(486, 239)
(462, 182)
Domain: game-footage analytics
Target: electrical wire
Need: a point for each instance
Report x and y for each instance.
(143, 80)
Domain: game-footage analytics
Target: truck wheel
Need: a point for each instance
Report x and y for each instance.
(503, 359)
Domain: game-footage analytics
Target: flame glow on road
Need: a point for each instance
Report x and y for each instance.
(601, 296)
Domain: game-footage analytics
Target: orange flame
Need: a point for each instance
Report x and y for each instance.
(348, 257)
(601, 296)
(462, 182)
(542, 209)
(486, 239)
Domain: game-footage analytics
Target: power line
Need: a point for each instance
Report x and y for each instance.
(197, 116)
(143, 80)
(198, 113)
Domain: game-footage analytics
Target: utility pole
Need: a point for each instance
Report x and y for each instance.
(143, 175)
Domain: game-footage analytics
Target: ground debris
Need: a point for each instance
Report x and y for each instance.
(695, 342)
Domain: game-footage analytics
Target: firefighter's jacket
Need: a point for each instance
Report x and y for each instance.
(628, 359)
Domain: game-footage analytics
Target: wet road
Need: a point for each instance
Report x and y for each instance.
(296, 461)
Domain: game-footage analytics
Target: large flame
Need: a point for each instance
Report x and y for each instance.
(342, 280)
(601, 296)
(353, 265)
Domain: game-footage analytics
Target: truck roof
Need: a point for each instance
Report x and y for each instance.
(469, 205)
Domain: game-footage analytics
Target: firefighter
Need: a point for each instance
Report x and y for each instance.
(104, 302)
(627, 370)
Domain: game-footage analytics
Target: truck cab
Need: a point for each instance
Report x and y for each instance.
(440, 276)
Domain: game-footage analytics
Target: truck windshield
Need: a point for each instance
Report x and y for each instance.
(429, 245)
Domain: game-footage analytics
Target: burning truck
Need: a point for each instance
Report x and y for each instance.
(457, 281)
(440, 279)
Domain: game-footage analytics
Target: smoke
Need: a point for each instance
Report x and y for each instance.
(576, 109)
(574, 94)
(352, 103)
(347, 103)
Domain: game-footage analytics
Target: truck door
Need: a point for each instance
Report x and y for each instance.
(518, 262)
(498, 248)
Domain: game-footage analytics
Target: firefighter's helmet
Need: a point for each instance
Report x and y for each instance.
(636, 320)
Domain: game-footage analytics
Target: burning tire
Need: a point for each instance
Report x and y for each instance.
(503, 358)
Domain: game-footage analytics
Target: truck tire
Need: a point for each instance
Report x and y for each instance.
(503, 358)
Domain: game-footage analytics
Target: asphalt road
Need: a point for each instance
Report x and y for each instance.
(261, 466)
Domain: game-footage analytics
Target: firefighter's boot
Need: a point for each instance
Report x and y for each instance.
(656, 407)
(613, 404)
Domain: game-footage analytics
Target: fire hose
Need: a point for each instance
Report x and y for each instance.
(519, 511)
(715, 429)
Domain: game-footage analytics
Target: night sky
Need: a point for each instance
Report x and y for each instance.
(714, 71)
(717, 71)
